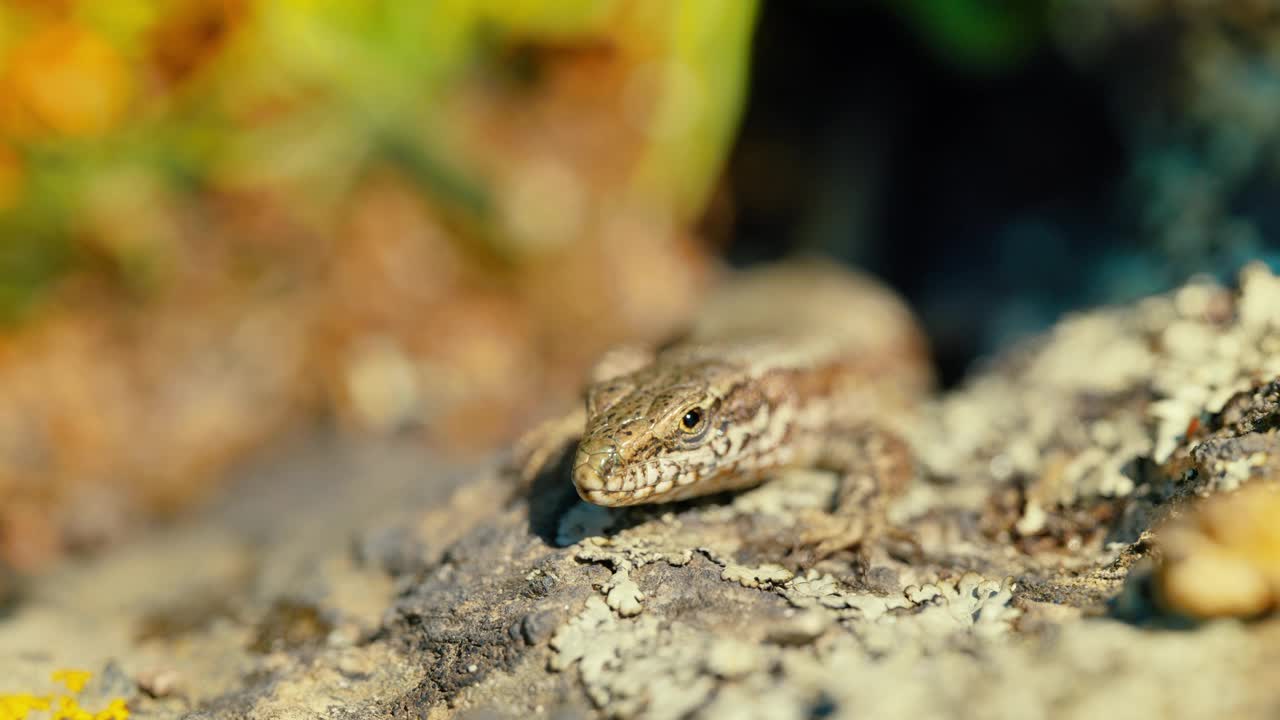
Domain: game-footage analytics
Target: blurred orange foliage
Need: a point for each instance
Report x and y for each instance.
(65, 80)
(224, 218)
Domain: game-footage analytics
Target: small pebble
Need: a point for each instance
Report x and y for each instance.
(537, 627)
(159, 682)
(355, 665)
(803, 628)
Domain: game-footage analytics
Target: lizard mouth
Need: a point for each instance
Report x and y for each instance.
(596, 481)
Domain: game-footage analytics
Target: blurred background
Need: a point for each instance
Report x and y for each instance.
(222, 221)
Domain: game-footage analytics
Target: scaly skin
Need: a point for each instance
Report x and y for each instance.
(789, 366)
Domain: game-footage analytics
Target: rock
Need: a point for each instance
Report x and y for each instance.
(1018, 576)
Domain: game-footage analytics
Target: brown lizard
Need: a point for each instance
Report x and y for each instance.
(786, 366)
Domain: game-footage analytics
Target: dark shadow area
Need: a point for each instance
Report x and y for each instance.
(982, 196)
(1138, 605)
(550, 497)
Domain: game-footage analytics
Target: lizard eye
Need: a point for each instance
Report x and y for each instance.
(691, 420)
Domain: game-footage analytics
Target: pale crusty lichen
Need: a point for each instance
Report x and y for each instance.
(638, 665)
(633, 552)
(643, 668)
(624, 553)
(767, 575)
(921, 615)
(1011, 424)
(1204, 363)
(1105, 389)
(818, 590)
(1096, 670)
(646, 667)
(623, 594)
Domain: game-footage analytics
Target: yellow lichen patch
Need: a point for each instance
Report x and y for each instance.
(18, 707)
(73, 679)
(1223, 558)
(60, 706)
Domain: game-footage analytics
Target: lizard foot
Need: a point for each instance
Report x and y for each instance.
(825, 535)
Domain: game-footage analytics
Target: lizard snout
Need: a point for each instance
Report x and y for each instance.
(592, 467)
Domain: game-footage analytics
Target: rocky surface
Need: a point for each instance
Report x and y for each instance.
(1029, 575)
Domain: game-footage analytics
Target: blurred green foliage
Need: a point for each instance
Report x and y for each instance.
(981, 35)
(185, 99)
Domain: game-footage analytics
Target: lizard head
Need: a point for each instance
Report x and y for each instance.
(647, 435)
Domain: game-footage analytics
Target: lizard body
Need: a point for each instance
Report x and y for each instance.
(787, 366)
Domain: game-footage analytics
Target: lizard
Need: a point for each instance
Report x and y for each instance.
(790, 365)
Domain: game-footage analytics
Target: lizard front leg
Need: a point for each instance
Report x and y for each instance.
(875, 466)
(538, 447)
